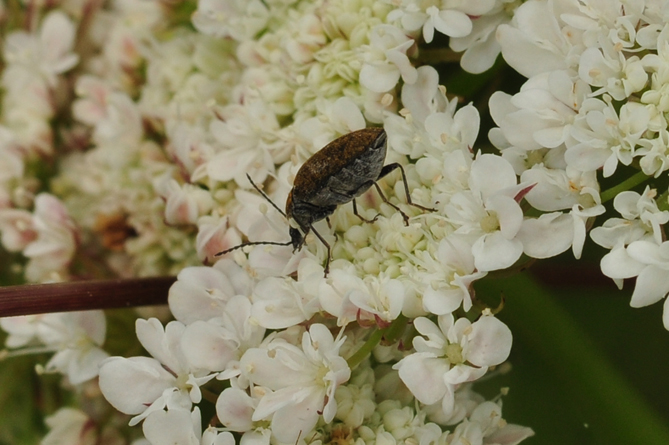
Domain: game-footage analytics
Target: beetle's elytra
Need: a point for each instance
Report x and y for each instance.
(341, 171)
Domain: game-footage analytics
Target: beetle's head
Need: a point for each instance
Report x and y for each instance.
(297, 238)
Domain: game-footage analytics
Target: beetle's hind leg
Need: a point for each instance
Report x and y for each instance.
(389, 168)
(367, 185)
(329, 254)
(327, 220)
(355, 212)
(383, 197)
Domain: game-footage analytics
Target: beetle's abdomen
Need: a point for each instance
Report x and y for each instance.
(357, 168)
(355, 178)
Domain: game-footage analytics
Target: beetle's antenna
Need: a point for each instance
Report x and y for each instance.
(254, 243)
(265, 196)
(257, 243)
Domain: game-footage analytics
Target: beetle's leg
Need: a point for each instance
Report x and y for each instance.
(383, 197)
(327, 246)
(390, 167)
(327, 219)
(355, 212)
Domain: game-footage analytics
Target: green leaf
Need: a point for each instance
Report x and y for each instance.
(565, 381)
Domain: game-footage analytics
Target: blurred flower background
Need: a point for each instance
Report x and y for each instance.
(535, 132)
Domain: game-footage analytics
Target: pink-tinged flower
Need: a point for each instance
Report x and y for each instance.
(234, 408)
(177, 426)
(185, 203)
(181, 426)
(190, 148)
(278, 303)
(218, 343)
(51, 252)
(74, 427)
(17, 229)
(74, 337)
(305, 39)
(12, 166)
(349, 298)
(50, 52)
(141, 386)
(121, 123)
(246, 137)
(22, 330)
(452, 353)
(300, 382)
(201, 293)
(214, 235)
(91, 107)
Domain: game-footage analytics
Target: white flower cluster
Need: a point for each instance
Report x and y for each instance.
(296, 384)
(290, 344)
(157, 122)
(595, 100)
(75, 337)
(31, 81)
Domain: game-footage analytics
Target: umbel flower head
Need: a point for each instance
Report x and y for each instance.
(282, 335)
(129, 132)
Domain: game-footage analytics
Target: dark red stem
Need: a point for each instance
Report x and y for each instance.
(83, 295)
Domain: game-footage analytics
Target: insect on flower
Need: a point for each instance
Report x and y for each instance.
(338, 173)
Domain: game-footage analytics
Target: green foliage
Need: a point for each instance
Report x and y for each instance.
(587, 368)
(25, 399)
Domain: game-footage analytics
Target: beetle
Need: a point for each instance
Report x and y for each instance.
(338, 173)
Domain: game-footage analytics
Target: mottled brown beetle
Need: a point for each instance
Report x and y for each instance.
(340, 172)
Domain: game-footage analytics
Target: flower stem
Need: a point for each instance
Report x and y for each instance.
(627, 184)
(209, 396)
(390, 334)
(548, 329)
(83, 295)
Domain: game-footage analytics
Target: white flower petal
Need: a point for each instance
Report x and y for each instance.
(207, 346)
(423, 374)
(162, 343)
(509, 214)
(379, 78)
(442, 301)
(463, 373)
(171, 427)
(618, 264)
(289, 423)
(489, 342)
(234, 409)
(490, 174)
(200, 293)
(493, 251)
(652, 285)
(452, 23)
(546, 236)
(133, 384)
